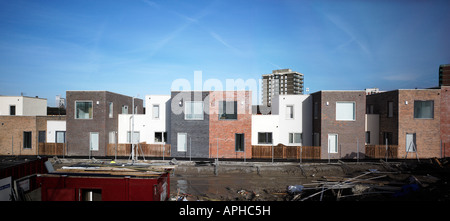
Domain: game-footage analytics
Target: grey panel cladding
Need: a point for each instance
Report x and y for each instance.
(197, 130)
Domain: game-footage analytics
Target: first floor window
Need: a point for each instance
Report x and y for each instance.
(424, 109)
(27, 139)
(193, 110)
(228, 110)
(265, 137)
(345, 111)
(83, 109)
(295, 138)
(239, 142)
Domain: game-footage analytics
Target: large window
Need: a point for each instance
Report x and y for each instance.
(193, 110)
(27, 139)
(264, 138)
(424, 109)
(227, 110)
(83, 109)
(345, 111)
(295, 138)
(60, 137)
(332, 143)
(411, 143)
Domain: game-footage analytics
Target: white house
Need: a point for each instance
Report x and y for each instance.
(290, 122)
(22, 106)
(151, 127)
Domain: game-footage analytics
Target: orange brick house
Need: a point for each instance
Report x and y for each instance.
(230, 123)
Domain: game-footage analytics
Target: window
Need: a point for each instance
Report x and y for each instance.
(182, 142)
(41, 138)
(136, 137)
(345, 111)
(390, 109)
(94, 141)
(316, 110)
(289, 112)
(160, 137)
(387, 137)
(264, 138)
(227, 110)
(111, 108)
(124, 109)
(12, 110)
(424, 109)
(83, 109)
(193, 110)
(60, 137)
(239, 143)
(295, 138)
(155, 110)
(411, 143)
(112, 137)
(332, 143)
(367, 137)
(27, 139)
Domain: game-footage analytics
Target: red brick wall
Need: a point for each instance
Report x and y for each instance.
(445, 120)
(222, 132)
(427, 130)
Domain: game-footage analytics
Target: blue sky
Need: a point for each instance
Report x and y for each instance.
(139, 47)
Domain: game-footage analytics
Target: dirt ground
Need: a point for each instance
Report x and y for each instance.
(375, 181)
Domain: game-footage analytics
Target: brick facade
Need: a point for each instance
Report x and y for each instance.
(445, 120)
(222, 132)
(197, 131)
(351, 134)
(427, 131)
(78, 130)
(12, 130)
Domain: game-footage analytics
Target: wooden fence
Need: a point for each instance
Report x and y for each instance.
(146, 150)
(379, 151)
(285, 152)
(52, 149)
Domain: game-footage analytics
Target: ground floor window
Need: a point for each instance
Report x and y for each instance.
(182, 142)
(411, 143)
(160, 137)
(332, 143)
(27, 139)
(264, 137)
(295, 138)
(239, 142)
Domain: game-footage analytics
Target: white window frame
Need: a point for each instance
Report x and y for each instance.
(184, 149)
(338, 110)
(337, 144)
(192, 115)
(292, 135)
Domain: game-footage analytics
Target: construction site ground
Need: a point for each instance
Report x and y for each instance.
(424, 180)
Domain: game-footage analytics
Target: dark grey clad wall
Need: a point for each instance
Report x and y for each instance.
(197, 130)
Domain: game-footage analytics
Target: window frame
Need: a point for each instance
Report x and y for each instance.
(423, 101)
(27, 140)
(266, 137)
(354, 110)
(91, 116)
(222, 105)
(241, 143)
(193, 109)
(290, 116)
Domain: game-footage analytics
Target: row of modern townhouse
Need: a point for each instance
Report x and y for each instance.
(224, 124)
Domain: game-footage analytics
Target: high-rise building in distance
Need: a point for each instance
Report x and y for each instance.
(282, 81)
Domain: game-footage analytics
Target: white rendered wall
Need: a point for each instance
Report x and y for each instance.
(147, 124)
(373, 125)
(265, 123)
(52, 127)
(25, 106)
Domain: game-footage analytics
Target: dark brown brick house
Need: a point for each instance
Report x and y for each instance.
(410, 119)
(92, 120)
(339, 123)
